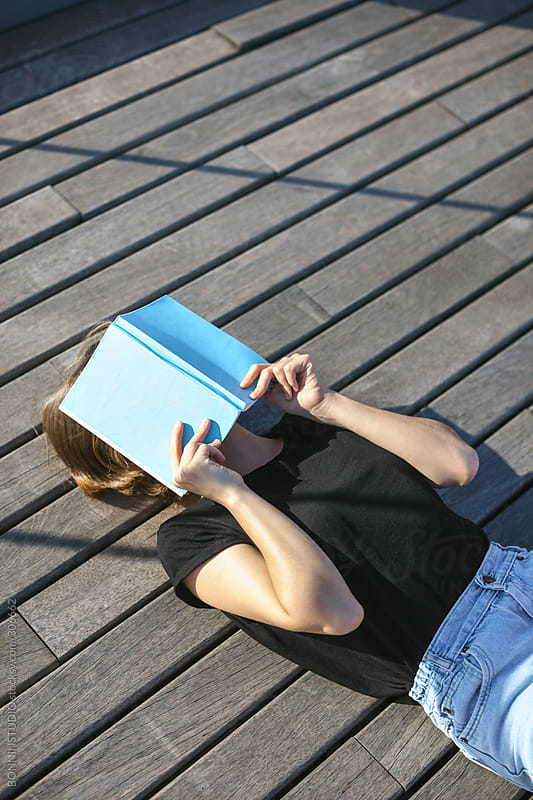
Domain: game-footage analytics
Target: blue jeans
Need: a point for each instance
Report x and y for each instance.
(475, 680)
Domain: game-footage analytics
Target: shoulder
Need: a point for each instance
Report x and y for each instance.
(188, 539)
(198, 529)
(200, 515)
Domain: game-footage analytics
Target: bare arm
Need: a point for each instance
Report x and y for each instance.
(288, 581)
(432, 447)
(284, 578)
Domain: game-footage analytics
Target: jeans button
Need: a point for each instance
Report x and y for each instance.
(488, 578)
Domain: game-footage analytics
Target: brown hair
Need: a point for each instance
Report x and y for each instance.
(95, 465)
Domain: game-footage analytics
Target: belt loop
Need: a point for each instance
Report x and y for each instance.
(496, 566)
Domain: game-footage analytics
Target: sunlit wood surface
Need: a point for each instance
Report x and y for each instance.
(349, 179)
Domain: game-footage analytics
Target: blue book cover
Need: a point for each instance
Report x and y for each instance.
(154, 366)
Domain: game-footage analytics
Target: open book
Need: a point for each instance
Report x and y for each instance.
(154, 366)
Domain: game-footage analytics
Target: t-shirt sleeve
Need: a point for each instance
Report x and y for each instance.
(191, 538)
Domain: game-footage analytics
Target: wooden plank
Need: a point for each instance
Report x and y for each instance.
(373, 58)
(381, 326)
(454, 348)
(349, 772)
(514, 236)
(140, 655)
(24, 658)
(416, 7)
(95, 54)
(175, 152)
(185, 717)
(139, 168)
(30, 477)
(512, 526)
(361, 216)
(106, 90)
(57, 30)
(405, 248)
(82, 191)
(27, 395)
(500, 387)
(405, 742)
(278, 18)
(506, 466)
(462, 776)
(177, 104)
(91, 597)
(322, 129)
(286, 317)
(299, 725)
(34, 218)
(59, 537)
(277, 204)
(142, 220)
(476, 99)
(472, 154)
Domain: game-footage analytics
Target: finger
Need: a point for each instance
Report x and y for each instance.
(290, 372)
(219, 454)
(208, 451)
(252, 374)
(175, 444)
(262, 383)
(279, 373)
(200, 433)
(299, 362)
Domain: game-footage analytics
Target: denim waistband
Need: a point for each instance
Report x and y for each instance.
(459, 624)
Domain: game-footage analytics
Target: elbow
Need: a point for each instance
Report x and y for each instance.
(461, 470)
(460, 464)
(468, 466)
(346, 623)
(461, 460)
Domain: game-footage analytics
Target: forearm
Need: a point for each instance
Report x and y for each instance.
(432, 447)
(307, 584)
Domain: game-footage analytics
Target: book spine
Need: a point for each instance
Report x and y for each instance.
(175, 361)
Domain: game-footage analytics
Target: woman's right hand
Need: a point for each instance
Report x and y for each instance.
(199, 467)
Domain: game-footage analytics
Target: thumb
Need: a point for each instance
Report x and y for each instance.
(217, 454)
(276, 395)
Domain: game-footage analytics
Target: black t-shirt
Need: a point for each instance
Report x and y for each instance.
(404, 554)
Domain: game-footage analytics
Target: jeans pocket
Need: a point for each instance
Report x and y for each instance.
(468, 694)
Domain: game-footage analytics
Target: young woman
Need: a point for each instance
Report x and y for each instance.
(327, 542)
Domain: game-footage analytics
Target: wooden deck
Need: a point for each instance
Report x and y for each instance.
(354, 179)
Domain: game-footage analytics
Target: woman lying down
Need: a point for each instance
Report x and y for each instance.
(326, 542)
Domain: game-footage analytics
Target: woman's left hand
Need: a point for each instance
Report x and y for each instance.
(297, 388)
